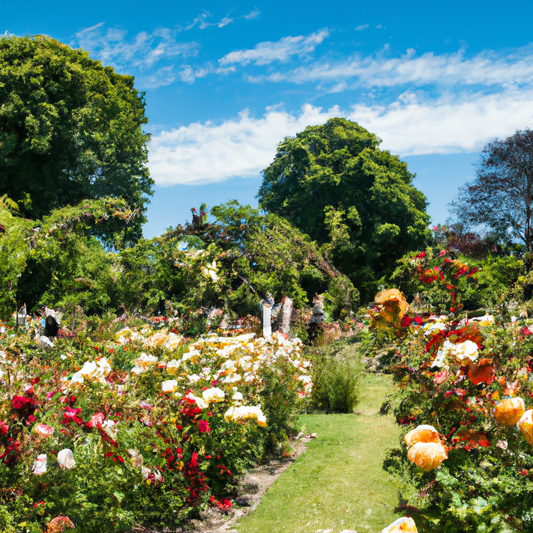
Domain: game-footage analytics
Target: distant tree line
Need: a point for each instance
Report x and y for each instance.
(336, 214)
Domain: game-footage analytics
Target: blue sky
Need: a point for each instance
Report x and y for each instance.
(226, 81)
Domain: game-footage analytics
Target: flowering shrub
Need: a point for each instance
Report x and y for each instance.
(441, 282)
(144, 428)
(466, 383)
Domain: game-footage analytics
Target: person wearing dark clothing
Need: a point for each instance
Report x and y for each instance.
(51, 327)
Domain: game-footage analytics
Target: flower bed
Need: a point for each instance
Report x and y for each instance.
(464, 392)
(145, 428)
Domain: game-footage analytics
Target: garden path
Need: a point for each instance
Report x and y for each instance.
(339, 482)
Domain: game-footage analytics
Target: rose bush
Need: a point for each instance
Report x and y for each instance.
(471, 382)
(144, 428)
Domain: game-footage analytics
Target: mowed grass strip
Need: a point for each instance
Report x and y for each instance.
(339, 482)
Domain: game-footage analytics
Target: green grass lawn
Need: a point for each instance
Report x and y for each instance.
(339, 482)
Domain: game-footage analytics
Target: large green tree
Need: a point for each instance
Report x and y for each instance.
(335, 184)
(70, 129)
(56, 261)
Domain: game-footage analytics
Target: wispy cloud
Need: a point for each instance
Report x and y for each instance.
(201, 20)
(362, 27)
(210, 152)
(253, 14)
(487, 68)
(268, 52)
(112, 46)
(155, 58)
(159, 78)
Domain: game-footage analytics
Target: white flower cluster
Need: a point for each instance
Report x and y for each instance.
(219, 366)
(460, 352)
(434, 326)
(239, 359)
(94, 371)
(65, 459)
(143, 363)
(210, 271)
(244, 412)
(127, 334)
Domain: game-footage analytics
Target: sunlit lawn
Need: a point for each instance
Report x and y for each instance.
(339, 482)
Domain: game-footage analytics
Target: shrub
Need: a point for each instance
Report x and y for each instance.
(337, 370)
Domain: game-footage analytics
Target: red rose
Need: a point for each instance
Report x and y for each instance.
(194, 460)
(203, 426)
(96, 420)
(405, 321)
(3, 428)
(19, 402)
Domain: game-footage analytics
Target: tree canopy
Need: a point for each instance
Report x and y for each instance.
(56, 260)
(70, 129)
(501, 196)
(258, 255)
(335, 184)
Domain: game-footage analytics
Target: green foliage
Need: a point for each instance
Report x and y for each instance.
(337, 372)
(341, 297)
(280, 403)
(496, 278)
(231, 264)
(148, 276)
(56, 261)
(336, 185)
(255, 255)
(14, 252)
(6, 521)
(70, 129)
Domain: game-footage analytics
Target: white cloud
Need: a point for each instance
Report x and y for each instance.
(447, 125)
(189, 74)
(202, 153)
(142, 51)
(202, 23)
(209, 152)
(253, 14)
(362, 27)
(487, 68)
(159, 78)
(199, 21)
(282, 50)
